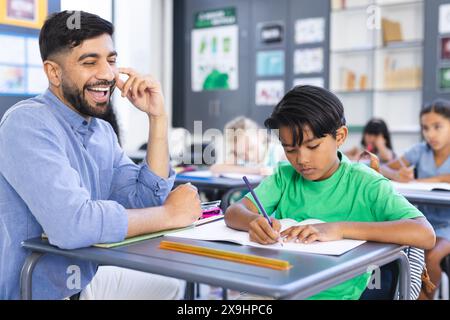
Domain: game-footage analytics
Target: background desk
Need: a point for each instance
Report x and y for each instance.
(433, 198)
(222, 188)
(310, 274)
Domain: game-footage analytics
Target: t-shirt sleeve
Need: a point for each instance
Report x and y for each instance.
(413, 155)
(388, 204)
(269, 191)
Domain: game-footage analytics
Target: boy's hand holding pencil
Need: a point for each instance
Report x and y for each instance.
(261, 232)
(267, 231)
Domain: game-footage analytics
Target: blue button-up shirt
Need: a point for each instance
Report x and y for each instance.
(68, 178)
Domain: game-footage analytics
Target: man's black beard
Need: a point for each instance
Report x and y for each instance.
(78, 101)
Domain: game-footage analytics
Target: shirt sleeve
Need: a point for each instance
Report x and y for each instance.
(388, 204)
(269, 192)
(35, 164)
(413, 155)
(136, 186)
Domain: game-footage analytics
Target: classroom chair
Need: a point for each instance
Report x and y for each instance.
(445, 264)
(390, 274)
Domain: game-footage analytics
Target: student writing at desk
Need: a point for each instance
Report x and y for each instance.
(377, 140)
(62, 171)
(248, 150)
(432, 162)
(321, 183)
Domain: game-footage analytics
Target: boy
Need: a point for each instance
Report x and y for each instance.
(321, 183)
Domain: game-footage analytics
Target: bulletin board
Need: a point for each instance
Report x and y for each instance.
(437, 51)
(21, 70)
(23, 13)
(239, 57)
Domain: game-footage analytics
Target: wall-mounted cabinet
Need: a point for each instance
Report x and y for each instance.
(377, 68)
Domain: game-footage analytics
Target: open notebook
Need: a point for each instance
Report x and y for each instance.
(151, 235)
(218, 231)
(422, 186)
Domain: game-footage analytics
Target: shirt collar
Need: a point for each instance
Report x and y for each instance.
(75, 120)
(334, 179)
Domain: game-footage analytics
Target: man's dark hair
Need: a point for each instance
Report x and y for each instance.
(66, 30)
(310, 106)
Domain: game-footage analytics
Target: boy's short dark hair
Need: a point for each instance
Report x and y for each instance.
(68, 29)
(310, 106)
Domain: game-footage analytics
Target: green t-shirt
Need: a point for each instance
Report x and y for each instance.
(353, 193)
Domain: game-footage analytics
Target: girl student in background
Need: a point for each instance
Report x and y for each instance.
(377, 140)
(248, 149)
(432, 162)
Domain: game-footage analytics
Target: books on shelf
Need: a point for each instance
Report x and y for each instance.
(401, 78)
(351, 82)
(392, 31)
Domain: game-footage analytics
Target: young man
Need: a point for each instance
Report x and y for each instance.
(62, 171)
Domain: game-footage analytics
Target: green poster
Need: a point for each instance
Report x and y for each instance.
(215, 51)
(215, 58)
(215, 18)
(444, 76)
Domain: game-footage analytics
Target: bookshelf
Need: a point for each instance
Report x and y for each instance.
(376, 64)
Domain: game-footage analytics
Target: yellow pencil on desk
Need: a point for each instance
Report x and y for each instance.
(226, 255)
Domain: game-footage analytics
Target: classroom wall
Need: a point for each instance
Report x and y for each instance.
(103, 8)
(144, 42)
(8, 99)
(143, 39)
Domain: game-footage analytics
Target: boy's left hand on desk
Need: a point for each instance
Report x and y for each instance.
(311, 233)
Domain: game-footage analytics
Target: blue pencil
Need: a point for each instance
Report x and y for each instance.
(261, 208)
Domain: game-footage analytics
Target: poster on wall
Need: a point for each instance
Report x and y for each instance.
(444, 79)
(12, 80)
(21, 70)
(444, 19)
(15, 54)
(445, 48)
(215, 51)
(317, 82)
(270, 63)
(269, 93)
(308, 61)
(23, 13)
(271, 32)
(309, 31)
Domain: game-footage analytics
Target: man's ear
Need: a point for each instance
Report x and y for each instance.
(53, 72)
(341, 136)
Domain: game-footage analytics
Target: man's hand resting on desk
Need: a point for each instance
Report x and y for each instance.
(183, 206)
(311, 233)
